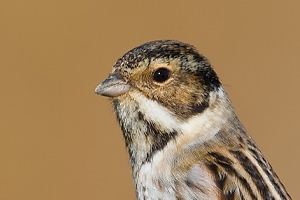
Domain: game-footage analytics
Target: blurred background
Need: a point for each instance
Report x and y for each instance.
(58, 140)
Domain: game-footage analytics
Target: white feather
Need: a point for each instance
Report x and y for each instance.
(156, 113)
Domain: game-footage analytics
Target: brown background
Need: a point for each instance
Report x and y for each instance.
(58, 140)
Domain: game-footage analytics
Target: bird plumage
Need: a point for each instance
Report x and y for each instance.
(182, 134)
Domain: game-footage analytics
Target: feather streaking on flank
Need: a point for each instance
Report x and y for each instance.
(182, 134)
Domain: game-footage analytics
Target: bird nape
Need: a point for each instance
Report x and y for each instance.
(182, 134)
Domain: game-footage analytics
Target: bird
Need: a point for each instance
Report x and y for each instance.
(181, 131)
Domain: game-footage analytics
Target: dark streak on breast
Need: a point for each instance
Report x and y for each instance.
(157, 138)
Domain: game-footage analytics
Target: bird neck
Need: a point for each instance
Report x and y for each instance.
(148, 127)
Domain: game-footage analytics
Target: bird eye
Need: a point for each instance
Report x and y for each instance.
(161, 75)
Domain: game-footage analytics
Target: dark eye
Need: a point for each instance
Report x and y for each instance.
(161, 75)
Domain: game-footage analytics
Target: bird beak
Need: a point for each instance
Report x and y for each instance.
(113, 86)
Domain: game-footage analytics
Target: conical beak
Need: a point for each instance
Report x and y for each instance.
(113, 86)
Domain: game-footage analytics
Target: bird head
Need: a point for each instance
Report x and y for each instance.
(169, 72)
